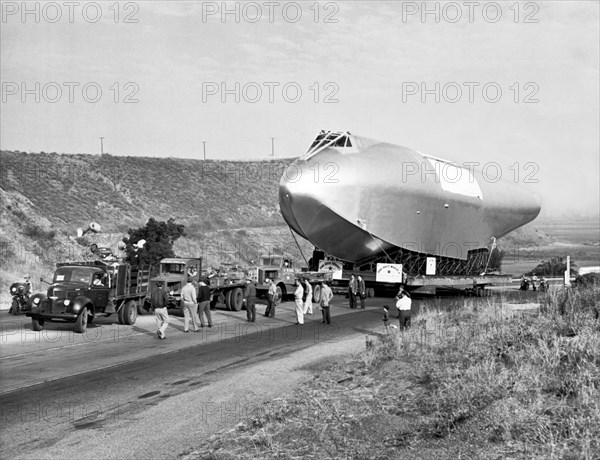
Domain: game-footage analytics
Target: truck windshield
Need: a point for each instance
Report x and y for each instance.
(173, 268)
(72, 274)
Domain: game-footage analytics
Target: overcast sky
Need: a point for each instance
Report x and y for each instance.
(517, 84)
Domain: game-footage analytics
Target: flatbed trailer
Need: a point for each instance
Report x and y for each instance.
(474, 285)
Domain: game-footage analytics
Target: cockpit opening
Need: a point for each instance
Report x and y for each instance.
(327, 139)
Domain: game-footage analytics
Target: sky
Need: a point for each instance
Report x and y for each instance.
(507, 83)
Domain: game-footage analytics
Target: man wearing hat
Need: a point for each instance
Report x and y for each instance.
(250, 298)
(28, 286)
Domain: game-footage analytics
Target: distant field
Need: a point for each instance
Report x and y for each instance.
(579, 239)
(578, 231)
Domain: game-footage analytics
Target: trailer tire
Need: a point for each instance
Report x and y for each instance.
(37, 324)
(129, 312)
(236, 299)
(81, 321)
(228, 300)
(317, 293)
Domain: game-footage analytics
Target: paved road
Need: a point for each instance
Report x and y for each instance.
(56, 383)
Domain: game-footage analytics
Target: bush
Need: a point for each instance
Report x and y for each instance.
(38, 233)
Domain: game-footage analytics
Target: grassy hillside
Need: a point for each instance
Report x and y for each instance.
(229, 208)
(478, 379)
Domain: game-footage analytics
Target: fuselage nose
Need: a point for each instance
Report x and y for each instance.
(287, 195)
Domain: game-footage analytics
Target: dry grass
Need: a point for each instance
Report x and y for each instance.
(478, 381)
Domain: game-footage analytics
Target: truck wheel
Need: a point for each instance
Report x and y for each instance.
(129, 312)
(37, 324)
(14, 309)
(280, 293)
(316, 293)
(237, 299)
(81, 321)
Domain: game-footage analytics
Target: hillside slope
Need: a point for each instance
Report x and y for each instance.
(229, 208)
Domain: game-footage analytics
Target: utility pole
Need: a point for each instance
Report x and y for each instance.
(101, 146)
(272, 146)
(204, 148)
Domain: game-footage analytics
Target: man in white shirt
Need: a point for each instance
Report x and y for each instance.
(403, 304)
(298, 293)
(190, 306)
(271, 294)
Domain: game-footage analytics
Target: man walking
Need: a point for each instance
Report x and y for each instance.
(250, 294)
(326, 296)
(204, 303)
(298, 293)
(352, 287)
(362, 291)
(159, 300)
(308, 292)
(271, 294)
(189, 305)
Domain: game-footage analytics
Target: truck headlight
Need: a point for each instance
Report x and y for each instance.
(13, 290)
(36, 301)
(67, 302)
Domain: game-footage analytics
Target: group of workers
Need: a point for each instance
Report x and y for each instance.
(303, 296)
(196, 297)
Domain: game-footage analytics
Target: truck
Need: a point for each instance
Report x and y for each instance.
(82, 291)
(226, 285)
(279, 268)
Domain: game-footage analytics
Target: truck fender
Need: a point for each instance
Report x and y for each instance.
(32, 303)
(82, 302)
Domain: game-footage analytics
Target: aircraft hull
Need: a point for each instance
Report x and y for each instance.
(355, 203)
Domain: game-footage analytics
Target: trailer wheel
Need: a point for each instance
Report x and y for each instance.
(129, 312)
(228, 300)
(37, 324)
(317, 293)
(81, 321)
(237, 299)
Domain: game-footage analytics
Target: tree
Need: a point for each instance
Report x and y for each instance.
(159, 237)
(556, 266)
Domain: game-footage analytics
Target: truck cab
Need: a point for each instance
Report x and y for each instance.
(81, 291)
(174, 272)
(280, 269)
(77, 294)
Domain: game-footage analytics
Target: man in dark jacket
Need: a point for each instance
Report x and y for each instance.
(204, 303)
(250, 298)
(160, 301)
(352, 289)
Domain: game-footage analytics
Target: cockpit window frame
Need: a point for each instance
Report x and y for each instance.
(327, 139)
